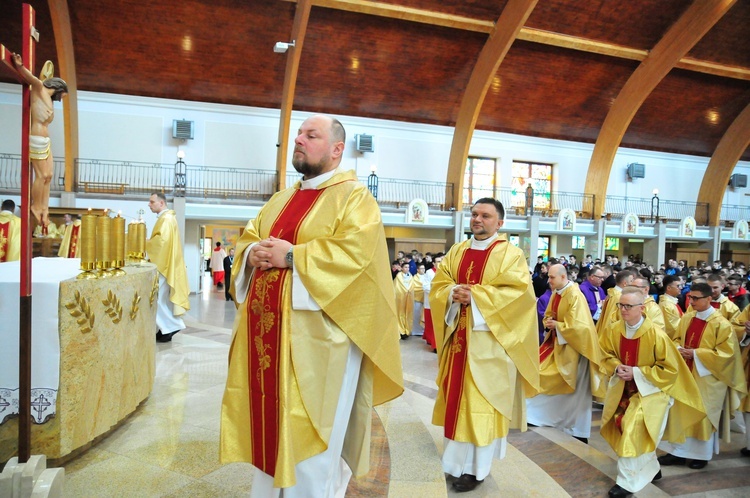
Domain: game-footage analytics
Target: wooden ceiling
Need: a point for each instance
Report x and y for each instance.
(558, 80)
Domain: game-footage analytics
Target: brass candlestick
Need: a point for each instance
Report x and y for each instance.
(118, 243)
(87, 245)
(103, 248)
(141, 241)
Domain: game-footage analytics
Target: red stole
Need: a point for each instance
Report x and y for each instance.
(264, 322)
(549, 343)
(715, 304)
(693, 337)
(470, 271)
(73, 247)
(629, 357)
(4, 241)
(679, 310)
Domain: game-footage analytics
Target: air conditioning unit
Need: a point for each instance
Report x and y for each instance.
(364, 143)
(636, 170)
(182, 129)
(738, 181)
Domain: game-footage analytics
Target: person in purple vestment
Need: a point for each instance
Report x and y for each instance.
(593, 287)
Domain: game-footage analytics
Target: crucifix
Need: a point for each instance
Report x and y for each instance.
(29, 36)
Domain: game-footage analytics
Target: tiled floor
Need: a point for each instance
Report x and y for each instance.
(169, 446)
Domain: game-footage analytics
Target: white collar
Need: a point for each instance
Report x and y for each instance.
(703, 315)
(630, 331)
(316, 182)
(669, 298)
(161, 212)
(482, 244)
(560, 291)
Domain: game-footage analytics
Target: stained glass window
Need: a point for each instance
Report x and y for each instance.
(579, 242)
(480, 179)
(539, 176)
(611, 244)
(543, 245)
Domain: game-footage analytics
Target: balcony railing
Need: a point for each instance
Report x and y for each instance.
(545, 205)
(615, 207)
(730, 213)
(10, 174)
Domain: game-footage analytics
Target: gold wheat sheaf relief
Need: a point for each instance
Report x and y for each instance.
(114, 309)
(134, 306)
(154, 291)
(81, 311)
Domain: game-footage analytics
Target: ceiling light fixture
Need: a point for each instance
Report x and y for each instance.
(282, 47)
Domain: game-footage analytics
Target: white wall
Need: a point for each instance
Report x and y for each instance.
(127, 128)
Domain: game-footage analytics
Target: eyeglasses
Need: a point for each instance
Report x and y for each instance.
(597, 276)
(695, 298)
(628, 307)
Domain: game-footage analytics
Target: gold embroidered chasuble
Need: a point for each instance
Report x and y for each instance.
(165, 251)
(404, 302)
(610, 312)
(502, 364)
(739, 328)
(10, 237)
(341, 257)
(69, 244)
(718, 350)
(631, 425)
(672, 314)
(726, 307)
(559, 370)
(653, 312)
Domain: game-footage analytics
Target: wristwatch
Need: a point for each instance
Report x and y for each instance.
(289, 258)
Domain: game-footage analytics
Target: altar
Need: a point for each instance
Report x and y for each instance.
(93, 352)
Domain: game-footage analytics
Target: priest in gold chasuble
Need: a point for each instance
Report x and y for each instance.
(314, 345)
(708, 344)
(71, 235)
(741, 325)
(165, 251)
(647, 379)
(485, 323)
(610, 312)
(403, 288)
(569, 361)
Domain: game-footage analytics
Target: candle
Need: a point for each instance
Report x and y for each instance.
(118, 241)
(141, 240)
(87, 241)
(103, 239)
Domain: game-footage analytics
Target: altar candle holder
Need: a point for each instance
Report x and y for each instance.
(103, 249)
(87, 246)
(118, 243)
(141, 241)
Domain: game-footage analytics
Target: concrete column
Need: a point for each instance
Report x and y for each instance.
(530, 242)
(595, 243)
(654, 250)
(457, 234)
(68, 199)
(179, 211)
(713, 244)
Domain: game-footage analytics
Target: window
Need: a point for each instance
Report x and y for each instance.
(480, 179)
(611, 244)
(542, 245)
(539, 176)
(579, 242)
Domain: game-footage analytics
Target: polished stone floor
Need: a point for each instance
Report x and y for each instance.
(169, 446)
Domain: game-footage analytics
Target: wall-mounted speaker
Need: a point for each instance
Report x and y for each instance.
(636, 170)
(364, 143)
(182, 129)
(738, 181)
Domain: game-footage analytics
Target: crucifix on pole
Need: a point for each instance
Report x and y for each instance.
(29, 36)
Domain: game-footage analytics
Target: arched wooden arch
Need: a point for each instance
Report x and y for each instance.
(506, 30)
(299, 28)
(731, 147)
(66, 67)
(679, 39)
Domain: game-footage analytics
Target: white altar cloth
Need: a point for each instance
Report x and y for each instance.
(47, 273)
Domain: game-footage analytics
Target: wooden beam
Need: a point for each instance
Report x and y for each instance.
(731, 147)
(527, 34)
(679, 39)
(63, 34)
(511, 20)
(299, 28)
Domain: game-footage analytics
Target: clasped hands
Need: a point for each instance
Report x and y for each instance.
(269, 253)
(462, 294)
(624, 372)
(687, 353)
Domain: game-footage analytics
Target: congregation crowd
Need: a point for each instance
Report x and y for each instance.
(664, 350)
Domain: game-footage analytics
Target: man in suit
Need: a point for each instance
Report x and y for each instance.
(228, 261)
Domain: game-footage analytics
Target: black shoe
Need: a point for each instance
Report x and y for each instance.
(584, 440)
(434, 351)
(670, 459)
(219, 285)
(163, 337)
(656, 477)
(618, 492)
(404, 337)
(745, 452)
(697, 464)
(466, 482)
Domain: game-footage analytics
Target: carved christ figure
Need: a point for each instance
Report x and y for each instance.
(43, 93)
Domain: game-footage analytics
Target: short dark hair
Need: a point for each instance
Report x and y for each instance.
(9, 205)
(160, 195)
(218, 244)
(704, 289)
(498, 205)
(670, 279)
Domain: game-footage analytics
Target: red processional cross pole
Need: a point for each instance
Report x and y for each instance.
(29, 35)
